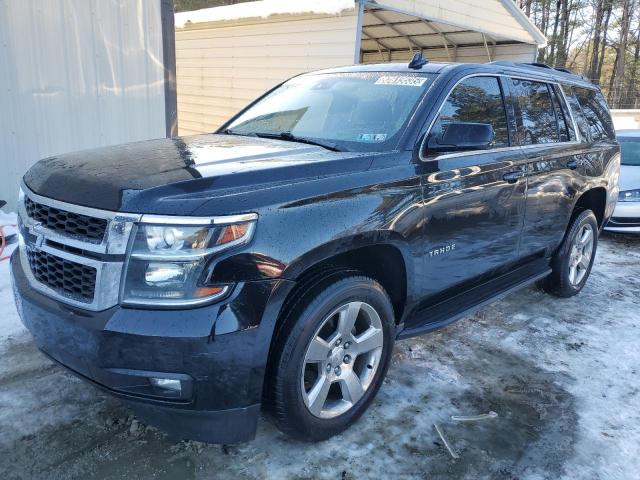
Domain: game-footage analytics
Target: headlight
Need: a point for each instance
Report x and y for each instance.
(629, 196)
(166, 262)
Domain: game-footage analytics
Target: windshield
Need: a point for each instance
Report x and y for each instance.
(630, 150)
(363, 111)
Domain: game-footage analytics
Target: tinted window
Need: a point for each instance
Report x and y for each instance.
(535, 113)
(596, 113)
(576, 109)
(357, 111)
(630, 150)
(477, 100)
(566, 131)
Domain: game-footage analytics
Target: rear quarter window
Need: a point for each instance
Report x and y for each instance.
(596, 113)
(576, 110)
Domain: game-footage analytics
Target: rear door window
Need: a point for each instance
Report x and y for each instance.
(536, 121)
(596, 113)
(476, 100)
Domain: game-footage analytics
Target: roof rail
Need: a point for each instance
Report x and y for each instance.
(509, 63)
(539, 64)
(506, 63)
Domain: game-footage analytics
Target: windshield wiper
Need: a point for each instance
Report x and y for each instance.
(229, 131)
(290, 137)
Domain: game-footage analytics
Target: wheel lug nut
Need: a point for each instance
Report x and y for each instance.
(328, 368)
(347, 359)
(347, 344)
(337, 371)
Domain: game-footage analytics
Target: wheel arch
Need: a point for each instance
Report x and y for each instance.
(381, 255)
(594, 199)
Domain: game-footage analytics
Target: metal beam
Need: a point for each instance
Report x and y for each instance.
(445, 40)
(420, 35)
(412, 43)
(486, 47)
(414, 22)
(437, 31)
(378, 42)
(481, 45)
(358, 49)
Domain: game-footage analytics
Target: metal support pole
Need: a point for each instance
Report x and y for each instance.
(486, 47)
(356, 54)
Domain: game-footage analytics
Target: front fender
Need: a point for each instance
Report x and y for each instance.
(333, 248)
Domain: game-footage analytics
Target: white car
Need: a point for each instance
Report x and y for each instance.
(626, 217)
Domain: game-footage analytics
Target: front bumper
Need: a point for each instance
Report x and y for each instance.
(220, 351)
(625, 219)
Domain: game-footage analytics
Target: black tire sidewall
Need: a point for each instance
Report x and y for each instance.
(560, 283)
(304, 323)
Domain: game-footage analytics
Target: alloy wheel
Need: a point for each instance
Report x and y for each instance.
(581, 253)
(342, 359)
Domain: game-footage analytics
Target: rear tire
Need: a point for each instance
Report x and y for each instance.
(322, 374)
(573, 261)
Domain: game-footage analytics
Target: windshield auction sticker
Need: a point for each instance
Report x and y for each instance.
(402, 80)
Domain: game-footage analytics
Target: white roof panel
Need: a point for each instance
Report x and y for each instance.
(502, 20)
(262, 9)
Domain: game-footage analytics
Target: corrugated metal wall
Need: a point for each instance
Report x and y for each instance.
(222, 67)
(76, 74)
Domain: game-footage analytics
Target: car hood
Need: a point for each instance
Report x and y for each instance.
(629, 177)
(177, 175)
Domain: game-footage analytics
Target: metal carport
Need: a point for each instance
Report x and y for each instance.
(450, 31)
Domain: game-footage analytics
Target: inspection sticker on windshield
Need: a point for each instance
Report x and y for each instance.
(403, 80)
(372, 137)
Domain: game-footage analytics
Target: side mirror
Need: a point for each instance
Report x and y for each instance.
(461, 136)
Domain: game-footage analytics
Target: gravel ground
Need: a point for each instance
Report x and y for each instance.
(562, 375)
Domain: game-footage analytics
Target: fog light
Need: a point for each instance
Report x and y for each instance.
(167, 384)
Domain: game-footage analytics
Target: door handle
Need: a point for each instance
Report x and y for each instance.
(513, 177)
(572, 164)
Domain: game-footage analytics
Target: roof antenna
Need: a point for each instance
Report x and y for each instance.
(417, 62)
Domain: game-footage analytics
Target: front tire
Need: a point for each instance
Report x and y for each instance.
(330, 356)
(572, 263)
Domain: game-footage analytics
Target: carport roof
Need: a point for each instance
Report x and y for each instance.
(393, 25)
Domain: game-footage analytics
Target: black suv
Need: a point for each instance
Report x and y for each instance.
(274, 263)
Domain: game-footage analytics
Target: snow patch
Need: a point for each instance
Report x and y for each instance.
(10, 324)
(262, 9)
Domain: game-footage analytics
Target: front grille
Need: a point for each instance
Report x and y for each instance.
(65, 277)
(70, 223)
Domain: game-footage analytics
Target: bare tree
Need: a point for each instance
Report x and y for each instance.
(605, 30)
(601, 38)
(632, 81)
(595, 41)
(618, 75)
